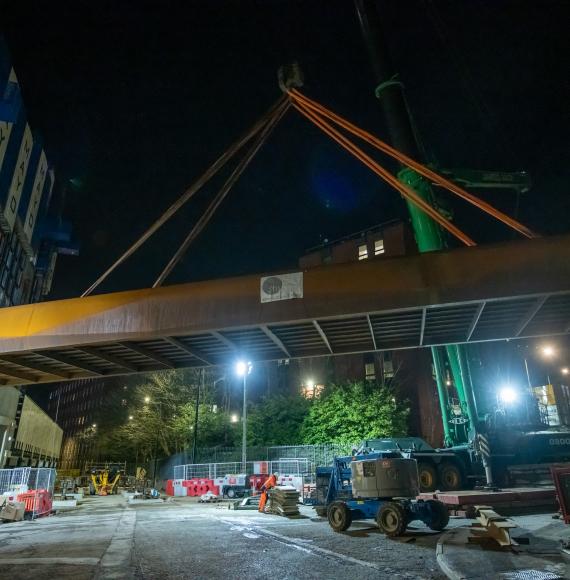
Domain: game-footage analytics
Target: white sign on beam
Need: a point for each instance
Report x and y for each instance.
(281, 287)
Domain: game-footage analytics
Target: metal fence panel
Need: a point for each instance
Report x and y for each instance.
(33, 486)
(308, 458)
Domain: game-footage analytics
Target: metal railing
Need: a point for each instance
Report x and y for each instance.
(289, 459)
(300, 466)
(210, 470)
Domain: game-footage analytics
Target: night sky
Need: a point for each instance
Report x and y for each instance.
(135, 99)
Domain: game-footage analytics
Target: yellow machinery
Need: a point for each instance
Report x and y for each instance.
(104, 480)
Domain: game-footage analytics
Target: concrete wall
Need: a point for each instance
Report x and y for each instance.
(38, 436)
(8, 404)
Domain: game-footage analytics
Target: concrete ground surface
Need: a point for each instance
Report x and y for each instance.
(537, 557)
(106, 539)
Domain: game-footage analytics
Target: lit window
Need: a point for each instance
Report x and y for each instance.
(388, 365)
(378, 247)
(369, 371)
(362, 252)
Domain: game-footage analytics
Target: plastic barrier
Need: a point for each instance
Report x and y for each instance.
(37, 502)
(295, 481)
(256, 481)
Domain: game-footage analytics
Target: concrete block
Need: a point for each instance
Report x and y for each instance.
(64, 504)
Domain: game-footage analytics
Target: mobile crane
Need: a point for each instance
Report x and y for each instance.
(498, 440)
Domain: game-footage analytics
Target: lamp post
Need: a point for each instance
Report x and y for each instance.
(196, 411)
(242, 370)
(548, 352)
(147, 401)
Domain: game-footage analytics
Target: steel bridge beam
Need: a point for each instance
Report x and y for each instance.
(495, 292)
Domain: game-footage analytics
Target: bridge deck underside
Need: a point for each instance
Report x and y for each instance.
(292, 329)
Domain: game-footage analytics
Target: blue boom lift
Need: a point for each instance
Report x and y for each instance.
(377, 486)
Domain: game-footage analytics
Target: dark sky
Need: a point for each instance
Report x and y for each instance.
(137, 98)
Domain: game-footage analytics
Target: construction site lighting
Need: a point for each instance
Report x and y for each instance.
(547, 351)
(507, 394)
(243, 368)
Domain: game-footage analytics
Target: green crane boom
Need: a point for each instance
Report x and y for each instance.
(459, 420)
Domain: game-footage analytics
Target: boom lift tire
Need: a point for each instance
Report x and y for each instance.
(450, 476)
(427, 477)
(392, 519)
(440, 515)
(339, 516)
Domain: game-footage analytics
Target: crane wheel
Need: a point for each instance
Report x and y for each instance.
(450, 477)
(339, 516)
(427, 477)
(439, 515)
(391, 519)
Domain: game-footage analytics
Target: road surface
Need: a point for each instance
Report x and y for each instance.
(106, 539)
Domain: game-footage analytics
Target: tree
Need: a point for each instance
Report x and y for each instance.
(277, 420)
(351, 412)
(153, 415)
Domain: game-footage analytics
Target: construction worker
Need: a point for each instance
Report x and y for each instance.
(270, 482)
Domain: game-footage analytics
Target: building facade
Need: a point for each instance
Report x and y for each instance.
(410, 371)
(32, 235)
(74, 405)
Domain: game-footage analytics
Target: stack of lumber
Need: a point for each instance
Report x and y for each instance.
(284, 500)
(492, 526)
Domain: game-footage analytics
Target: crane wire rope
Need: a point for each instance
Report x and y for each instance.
(189, 193)
(409, 162)
(407, 192)
(316, 113)
(222, 193)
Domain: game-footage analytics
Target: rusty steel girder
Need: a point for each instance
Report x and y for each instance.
(493, 292)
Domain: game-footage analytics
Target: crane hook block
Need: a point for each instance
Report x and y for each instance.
(290, 76)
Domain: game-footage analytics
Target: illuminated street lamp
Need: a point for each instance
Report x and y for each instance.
(565, 370)
(242, 370)
(234, 418)
(147, 399)
(309, 388)
(131, 417)
(547, 351)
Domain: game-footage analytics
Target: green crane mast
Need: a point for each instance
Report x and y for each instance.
(459, 421)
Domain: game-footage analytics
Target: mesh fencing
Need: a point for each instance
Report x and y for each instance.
(284, 459)
(32, 486)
